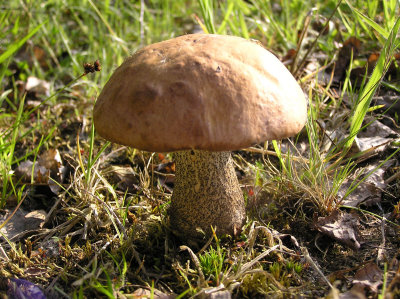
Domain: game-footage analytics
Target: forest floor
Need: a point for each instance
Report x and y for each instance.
(84, 218)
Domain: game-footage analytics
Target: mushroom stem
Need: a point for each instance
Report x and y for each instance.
(206, 193)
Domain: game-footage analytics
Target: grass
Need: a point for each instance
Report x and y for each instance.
(107, 219)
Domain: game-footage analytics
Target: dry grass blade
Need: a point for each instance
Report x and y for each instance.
(247, 266)
(111, 210)
(12, 214)
(107, 232)
(315, 266)
(196, 262)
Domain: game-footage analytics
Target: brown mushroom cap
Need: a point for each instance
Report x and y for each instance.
(200, 91)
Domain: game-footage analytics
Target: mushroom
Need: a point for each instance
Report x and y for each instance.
(201, 96)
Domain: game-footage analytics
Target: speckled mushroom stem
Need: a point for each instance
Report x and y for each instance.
(206, 193)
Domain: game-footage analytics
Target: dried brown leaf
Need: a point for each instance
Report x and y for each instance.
(341, 226)
(123, 176)
(352, 294)
(351, 47)
(142, 293)
(368, 277)
(365, 193)
(22, 221)
(48, 169)
(368, 191)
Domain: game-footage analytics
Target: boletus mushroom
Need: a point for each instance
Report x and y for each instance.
(201, 96)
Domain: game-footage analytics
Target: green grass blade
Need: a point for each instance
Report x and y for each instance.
(243, 26)
(366, 94)
(227, 15)
(279, 154)
(11, 49)
(370, 22)
(208, 15)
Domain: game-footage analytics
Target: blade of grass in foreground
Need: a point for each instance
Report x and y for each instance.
(365, 19)
(366, 94)
(11, 49)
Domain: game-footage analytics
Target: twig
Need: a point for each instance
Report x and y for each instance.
(380, 255)
(393, 177)
(197, 264)
(12, 214)
(206, 245)
(308, 258)
(140, 263)
(303, 34)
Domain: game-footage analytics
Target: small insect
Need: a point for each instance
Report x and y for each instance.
(92, 67)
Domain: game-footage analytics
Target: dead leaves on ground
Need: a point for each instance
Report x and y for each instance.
(21, 223)
(374, 176)
(340, 226)
(364, 283)
(368, 278)
(47, 170)
(366, 186)
(352, 52)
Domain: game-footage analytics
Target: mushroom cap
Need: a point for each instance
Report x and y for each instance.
(200, 91)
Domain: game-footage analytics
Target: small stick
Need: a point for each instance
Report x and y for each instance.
(196, 263)
(308, 258)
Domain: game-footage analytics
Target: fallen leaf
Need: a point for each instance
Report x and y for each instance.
(223, 294)
(376, 128)
(142, 293)
(288, 58)
(352, 294)
(368, 277)
(351, 47)
(341, 226)
(51, 248)
(369, 191)
(391, 74)
(319, 23)
(392, 69)
(168, 167)
(39, 55)
(365, 193)
(375, 138)
(161, 157)
(24, 171)
(123, 176)
(376, 144)
(48, 169)
(391, 104)
(22, 221)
